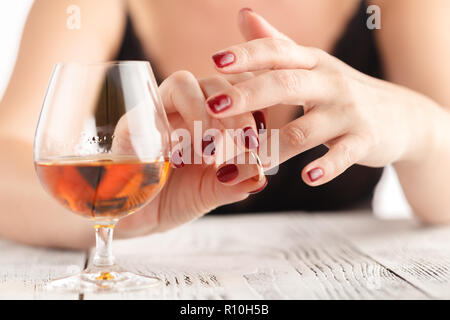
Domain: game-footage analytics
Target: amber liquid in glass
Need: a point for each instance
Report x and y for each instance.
(103, 190)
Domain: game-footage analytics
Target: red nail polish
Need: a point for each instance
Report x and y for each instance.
(177, 159)
(208, 146)
(223, 59)
(219, 103)
(260, 120)
(315, 174)
(260, 189)
(250, 138)
(227, 173)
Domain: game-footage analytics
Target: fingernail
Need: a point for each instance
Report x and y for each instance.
(227, 173)
(260, 120)
(223, 59)
(246, 9)
(250, 138)
(260, 189)
(241, 15)
(315, 174)
(177, 159)
(208, 143)
(219, 103)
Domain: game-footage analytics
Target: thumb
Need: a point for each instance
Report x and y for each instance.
(253, 26)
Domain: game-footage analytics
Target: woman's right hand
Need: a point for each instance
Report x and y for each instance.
(193, 190)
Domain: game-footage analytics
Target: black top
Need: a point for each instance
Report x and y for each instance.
(286, 190)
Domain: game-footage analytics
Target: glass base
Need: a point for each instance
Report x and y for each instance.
(102, 280)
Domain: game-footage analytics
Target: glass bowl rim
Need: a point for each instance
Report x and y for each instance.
(103, 63)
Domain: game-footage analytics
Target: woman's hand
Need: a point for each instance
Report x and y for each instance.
(193, 190)
(361, 119)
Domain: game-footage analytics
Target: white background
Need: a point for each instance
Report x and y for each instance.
(12, 17)
(388, 201)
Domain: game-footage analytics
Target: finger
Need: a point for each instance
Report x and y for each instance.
(181, 93)
(202, 196)
(260, 115)
(242, 127)
(132, 131)
(264, 54)
(253, 26)
(245, 183)
(232, 174)
(238, 77)
(343, 153)
(239, 170)
(209, 193)
(311, 130)
(299, 87)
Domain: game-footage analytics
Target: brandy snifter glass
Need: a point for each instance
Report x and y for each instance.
(101, 149)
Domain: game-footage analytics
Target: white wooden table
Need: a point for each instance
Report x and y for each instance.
(274, 256)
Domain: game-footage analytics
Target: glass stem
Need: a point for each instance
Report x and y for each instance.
(103, 249)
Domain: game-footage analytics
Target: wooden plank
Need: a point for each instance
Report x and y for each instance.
(418, 254)
(334, 269)
(195, 262)
(24, 270)
(279, 256)
(293, 256)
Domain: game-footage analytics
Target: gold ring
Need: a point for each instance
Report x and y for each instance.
(261, 174)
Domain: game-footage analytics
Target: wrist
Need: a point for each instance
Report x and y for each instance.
(426, 131)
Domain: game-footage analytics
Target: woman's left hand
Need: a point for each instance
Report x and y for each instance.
(361, 119)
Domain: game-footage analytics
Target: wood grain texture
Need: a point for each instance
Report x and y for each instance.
(24, 270)
(271, 256)
(416, 253)
(259, 257)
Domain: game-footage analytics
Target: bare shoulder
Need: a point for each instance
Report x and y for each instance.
(413, 41)
(415, 18)
(80, 20)
(55, 31)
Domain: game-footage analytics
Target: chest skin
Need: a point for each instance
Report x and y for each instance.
(184, 34)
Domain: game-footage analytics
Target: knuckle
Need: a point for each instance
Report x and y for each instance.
(207, 199)
(238, 77)
(339, 81)
(346, 154)
(213, 84)
(216, 79)
(243, 94)
(295, 135)
(351, 109)
(244, 53)
(279, 46)
(371, 139)
(316, 56)
(201, 205)
(289, 80)
(342, 90)
(319, 53)
(374, 138)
